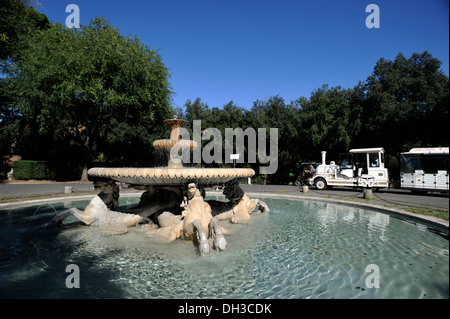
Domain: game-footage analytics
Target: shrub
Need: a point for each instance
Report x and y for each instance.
(25, 170)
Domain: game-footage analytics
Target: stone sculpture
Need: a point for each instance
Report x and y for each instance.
(195, 223)
(173, 204)
(239, 207)
(100, 212)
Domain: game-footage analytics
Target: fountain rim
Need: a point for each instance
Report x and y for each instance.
(431, 220)
(168, 143)
(169, 176)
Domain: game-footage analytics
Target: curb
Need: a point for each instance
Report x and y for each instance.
(72, 198)
(423, 218)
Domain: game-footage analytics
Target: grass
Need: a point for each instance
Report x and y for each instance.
(416, 210)
(428, 212)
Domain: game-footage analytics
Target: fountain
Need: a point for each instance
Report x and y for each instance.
(305, 248)
(172, 205)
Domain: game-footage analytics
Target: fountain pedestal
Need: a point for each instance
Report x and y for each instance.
(175, 126)
(174, 173)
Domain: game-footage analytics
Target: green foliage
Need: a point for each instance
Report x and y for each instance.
(402, 104)
(429, 212)
(18, 20)
(275, 113)
(327, 119)
(91, 90)
(409, 96)
(406, 105)
(38, 170)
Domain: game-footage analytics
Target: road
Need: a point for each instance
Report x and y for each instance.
(20, 189)
(385, 196)
(10, 190)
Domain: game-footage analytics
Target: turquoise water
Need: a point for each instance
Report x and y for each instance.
(302, 249)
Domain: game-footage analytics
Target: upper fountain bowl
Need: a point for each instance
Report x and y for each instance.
(175, 126)
(171, 176)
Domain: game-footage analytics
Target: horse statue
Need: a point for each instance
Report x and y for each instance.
(100, 212)
(195, 223)
(239, 207)
(195, 219)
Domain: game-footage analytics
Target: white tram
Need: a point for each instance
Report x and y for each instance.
(425, 169)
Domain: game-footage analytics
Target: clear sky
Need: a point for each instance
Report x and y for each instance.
(244, 50)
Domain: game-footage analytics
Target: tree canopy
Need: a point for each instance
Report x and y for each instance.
(87, 92)
(410, 97)
(18, 21)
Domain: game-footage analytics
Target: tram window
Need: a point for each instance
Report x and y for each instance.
(410, 163)
(346, 161)
(434, 163)
(373, 160)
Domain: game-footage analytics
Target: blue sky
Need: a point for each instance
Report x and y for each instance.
(223, 50)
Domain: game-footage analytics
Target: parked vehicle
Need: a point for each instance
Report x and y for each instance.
(358, 168)
(304, 175)
(425, 169)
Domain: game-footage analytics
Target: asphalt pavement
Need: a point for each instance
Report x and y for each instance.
(21, 189)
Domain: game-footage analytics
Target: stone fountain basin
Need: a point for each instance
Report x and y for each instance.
(168, 144)
(170, 176)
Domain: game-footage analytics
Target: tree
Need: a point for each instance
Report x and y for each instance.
(406, 104)
(18, 21)
(91, 91)
(275, 113)
(196, 110)
(329, 120)
(229, 116)
(402, 104)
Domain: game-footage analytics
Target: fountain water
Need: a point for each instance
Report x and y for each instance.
(173, 203)
(303, 249)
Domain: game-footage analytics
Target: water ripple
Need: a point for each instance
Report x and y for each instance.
(300, 250)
